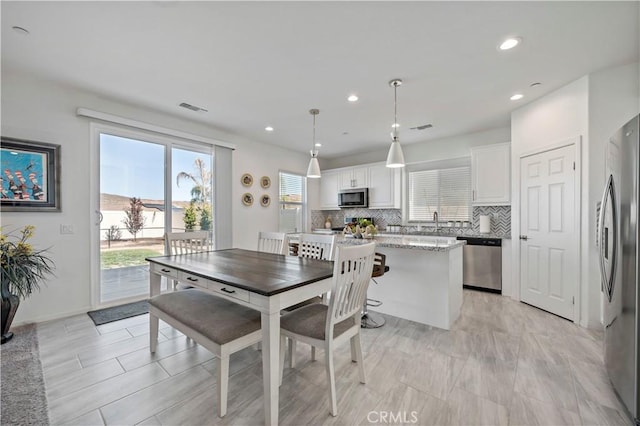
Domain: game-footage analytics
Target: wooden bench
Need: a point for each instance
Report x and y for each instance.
(222, 327)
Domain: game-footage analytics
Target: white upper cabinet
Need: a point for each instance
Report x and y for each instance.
(383, 183)
(491, 174)
(384, 187)
(354, 177)
(329, 189)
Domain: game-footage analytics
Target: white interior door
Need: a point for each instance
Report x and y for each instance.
(548, 240)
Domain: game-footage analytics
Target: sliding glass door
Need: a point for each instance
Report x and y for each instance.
(192, 190)
(147, 186)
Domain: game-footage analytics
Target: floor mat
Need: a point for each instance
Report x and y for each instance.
(116, 313)
(23, 394)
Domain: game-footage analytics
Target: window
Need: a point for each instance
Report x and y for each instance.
(292, 202)
(446, 190)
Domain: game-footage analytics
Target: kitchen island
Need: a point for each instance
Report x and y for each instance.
(424, 283)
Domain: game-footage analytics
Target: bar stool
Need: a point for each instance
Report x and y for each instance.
(372, 319)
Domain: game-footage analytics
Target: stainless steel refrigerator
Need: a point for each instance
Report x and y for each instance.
(618, 245)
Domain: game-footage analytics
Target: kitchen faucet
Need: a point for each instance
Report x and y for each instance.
(435, 219)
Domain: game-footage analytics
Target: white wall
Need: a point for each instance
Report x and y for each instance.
(554, 118)
(45, 111)
(591, 107)
(438, 149)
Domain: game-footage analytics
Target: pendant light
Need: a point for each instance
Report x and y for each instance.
(395, 158)
(313, 171)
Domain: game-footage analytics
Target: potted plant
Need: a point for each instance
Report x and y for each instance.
(23, 269)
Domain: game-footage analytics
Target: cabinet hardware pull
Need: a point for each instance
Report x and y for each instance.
(165, 270)
(227, 291)
(192, 279)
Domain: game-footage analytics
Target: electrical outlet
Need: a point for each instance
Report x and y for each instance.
(66, 229)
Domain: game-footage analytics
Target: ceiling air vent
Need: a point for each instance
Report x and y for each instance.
(424, 126)
(192, 107)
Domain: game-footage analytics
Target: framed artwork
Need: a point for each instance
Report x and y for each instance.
(265, 182)
(30, 176)
(247, 199)
(247, 180)
(265, 200)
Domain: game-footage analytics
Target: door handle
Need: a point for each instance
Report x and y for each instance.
(524, 237)
(609, 196)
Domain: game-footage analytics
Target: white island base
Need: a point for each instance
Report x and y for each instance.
(422, 285)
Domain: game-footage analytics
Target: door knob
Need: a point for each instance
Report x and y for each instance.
(524, 237)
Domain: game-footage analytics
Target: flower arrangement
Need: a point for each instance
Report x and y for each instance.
(363, 229)
(23, 267)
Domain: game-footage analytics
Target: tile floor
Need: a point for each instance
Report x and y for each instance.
(503, 363)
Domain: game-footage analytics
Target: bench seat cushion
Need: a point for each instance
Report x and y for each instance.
(217, 319)
(311, 320)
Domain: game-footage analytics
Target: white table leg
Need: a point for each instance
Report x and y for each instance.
(271, 365)
(154, 284)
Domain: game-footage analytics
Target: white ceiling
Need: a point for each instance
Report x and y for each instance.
(253, 64)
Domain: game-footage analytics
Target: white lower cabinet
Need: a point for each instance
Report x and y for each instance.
(507, 283)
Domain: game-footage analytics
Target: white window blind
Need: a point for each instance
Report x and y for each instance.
(292, 202)
(446, 191)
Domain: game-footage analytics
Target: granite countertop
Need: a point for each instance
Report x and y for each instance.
(416, 242)
(444, 233)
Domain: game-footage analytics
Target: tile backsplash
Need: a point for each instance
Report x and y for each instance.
(500, 219)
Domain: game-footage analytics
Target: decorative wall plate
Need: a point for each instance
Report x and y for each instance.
(246, 179)
(247, 199)
(265, 182)
(265, 200)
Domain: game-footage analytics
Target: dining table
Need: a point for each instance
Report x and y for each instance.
(265, 282)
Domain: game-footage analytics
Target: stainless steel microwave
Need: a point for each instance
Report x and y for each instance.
(357, 197)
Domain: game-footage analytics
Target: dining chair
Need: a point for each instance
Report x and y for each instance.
(312, 246)
(317, 246)
(325, 326)
(273, 242)
(221, 326)
(185, 243)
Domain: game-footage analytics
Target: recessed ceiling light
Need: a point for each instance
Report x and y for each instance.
(517, 96)
(269, 129)
(352, 98)
(318, 144)
(510, 43)
(536, 84)
(20, 30)
(345, 133)
(394, 125)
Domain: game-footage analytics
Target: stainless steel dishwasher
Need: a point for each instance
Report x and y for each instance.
(482, 263)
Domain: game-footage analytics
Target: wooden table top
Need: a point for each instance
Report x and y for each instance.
(262, 273)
